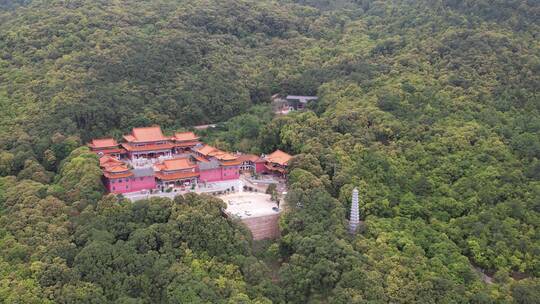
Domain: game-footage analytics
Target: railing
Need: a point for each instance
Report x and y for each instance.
(148, 162)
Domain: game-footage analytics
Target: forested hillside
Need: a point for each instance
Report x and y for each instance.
(430, 108)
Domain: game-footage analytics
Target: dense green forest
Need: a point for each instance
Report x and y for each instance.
(430, 108)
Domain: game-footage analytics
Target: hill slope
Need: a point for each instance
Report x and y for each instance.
(431, 108)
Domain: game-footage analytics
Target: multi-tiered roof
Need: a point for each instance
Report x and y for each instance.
(225, 158)
(146, 139)
(113, 168)
(278, 161)
(105, 146)
(185, 139)
(175, 169)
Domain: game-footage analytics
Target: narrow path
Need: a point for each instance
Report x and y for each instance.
(487, 279)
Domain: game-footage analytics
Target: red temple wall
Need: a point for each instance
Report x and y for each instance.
(211, 175)
(118, 185)
(220, 174)
(260, 168)
(229, 173)
(143, 183)
(130, 184)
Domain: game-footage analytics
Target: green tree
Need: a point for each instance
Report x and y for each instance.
(6, 163)
(80, 176)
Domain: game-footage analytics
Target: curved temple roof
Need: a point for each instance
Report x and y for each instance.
(185, 136)
(146, 134)
(279, 157)
(175, 164)
(103, 143)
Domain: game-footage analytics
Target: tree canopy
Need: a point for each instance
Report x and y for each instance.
(429, 108)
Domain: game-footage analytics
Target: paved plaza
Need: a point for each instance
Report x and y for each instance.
(249, 204)
(255, 209)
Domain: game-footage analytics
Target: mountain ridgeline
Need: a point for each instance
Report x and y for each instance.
(430, 108)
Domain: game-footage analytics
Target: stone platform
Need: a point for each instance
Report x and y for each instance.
(256, 211)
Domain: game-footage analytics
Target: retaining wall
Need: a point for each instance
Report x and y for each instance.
(263, 227)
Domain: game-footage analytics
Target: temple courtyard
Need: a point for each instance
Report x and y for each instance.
(253, 206)
(245, 198)
(240, 202)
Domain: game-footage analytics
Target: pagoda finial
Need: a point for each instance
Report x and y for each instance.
(354, 221)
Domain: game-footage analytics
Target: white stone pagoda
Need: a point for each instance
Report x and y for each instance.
(354, 220)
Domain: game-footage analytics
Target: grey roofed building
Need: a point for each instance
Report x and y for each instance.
(183, 155)
(302, 99)
(212, 164)
(204, 127)
(140, 172)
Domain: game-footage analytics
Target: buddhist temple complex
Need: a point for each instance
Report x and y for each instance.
(149, 160)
